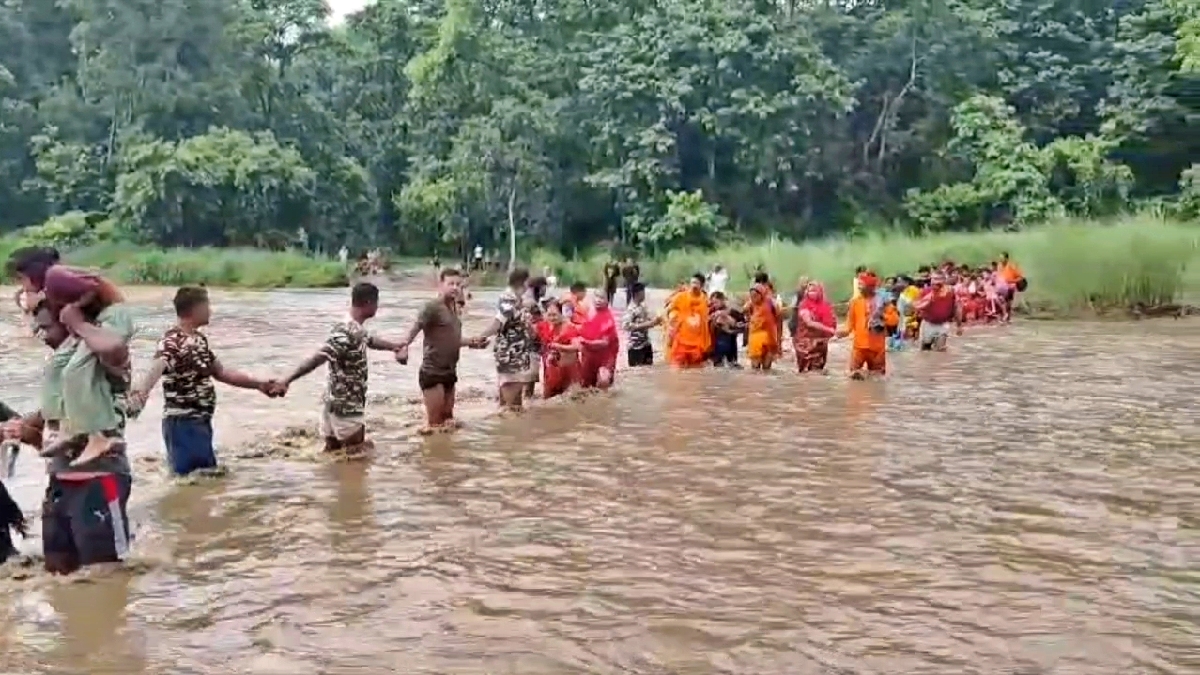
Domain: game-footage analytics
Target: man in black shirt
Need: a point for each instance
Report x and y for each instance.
(612, 272)
(631, 273)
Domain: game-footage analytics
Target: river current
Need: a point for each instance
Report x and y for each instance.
(1027, 503)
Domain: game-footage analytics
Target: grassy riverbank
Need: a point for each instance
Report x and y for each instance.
(1071, 265)
(224, 267)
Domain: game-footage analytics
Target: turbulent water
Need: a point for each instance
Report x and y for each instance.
(1027, 503)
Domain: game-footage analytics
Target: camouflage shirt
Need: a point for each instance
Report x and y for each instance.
(515, 342)
(188, 389)
(636, 314)
(345, 350)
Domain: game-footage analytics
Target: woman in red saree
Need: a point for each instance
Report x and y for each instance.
(816, 324)
(601, 345)
(560, 351)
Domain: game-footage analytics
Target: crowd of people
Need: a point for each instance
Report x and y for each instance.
(568, 342)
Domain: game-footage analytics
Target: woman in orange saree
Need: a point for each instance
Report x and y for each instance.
(763, 321)
(690, 338)
(560, 351)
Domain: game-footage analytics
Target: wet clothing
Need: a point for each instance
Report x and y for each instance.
(340, 427)
(634, 315)
(442, 327)
(85, 522)
(345, 352)
(642, 356)
(514, 343)
(187, 383)
(11, 518)
(189, 443)
(93, 399)
(74, 372)
(190, 399)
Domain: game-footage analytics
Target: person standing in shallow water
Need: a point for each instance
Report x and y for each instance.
(515, 340)
(437, 377)
(938, 305)
(84, 519)
(637, 322)
(345, 352)
(864, 321)
(187, 366)
(816, 324)
(690, 338)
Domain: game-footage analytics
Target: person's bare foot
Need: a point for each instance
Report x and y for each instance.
(857, 375)
(427, 430)
(97, 446)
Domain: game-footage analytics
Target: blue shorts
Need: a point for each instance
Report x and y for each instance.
(189, 442)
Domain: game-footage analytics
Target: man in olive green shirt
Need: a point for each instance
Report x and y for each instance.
(84, 513)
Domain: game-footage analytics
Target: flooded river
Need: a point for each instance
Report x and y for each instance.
(1027, 503)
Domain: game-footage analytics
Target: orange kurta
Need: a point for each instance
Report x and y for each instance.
(691, 339)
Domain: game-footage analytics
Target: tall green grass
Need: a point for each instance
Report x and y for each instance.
(228, 267)
(1071, 265)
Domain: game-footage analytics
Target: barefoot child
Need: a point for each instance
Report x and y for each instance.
(88, 416)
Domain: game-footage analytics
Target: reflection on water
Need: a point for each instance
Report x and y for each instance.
(1023, 504)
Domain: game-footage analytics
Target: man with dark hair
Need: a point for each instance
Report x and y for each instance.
(187, 366)
(637, 323)
(84, 519)
(438, 374)
(515, 340)
(345, 351)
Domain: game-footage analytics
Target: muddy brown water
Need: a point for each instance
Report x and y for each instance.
(1027, 503)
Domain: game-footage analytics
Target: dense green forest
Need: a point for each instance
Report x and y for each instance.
(659, 123)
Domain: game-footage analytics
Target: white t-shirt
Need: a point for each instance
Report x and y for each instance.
(478, 252)
(717, 281)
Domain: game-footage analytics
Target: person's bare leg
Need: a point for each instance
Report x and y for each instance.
(510, 395)
(448, 420)
(434, 399)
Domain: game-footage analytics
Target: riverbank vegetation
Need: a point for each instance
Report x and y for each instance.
(93, 245)
(653, 128)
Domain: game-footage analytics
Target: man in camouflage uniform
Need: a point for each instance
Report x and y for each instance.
(515, 341)
(345, 351)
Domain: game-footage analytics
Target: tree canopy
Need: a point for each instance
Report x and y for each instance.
(422, 124)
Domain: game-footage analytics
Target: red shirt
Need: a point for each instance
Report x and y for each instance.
(942, 305)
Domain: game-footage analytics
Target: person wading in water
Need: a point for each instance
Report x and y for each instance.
(84, 519)
(345, 351)
(937, 306)
(438, 375)
(515, 341)
(187, 366)
(864, 321)
(637, 322)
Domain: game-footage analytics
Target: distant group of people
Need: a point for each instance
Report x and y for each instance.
(704, 326)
